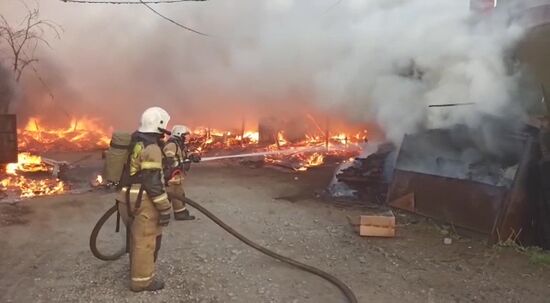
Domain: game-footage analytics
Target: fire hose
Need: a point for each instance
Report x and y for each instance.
(348, 293)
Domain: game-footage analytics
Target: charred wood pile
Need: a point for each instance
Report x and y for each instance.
(366, 176)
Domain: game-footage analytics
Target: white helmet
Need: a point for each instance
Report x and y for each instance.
(154, 120)
(180, 130)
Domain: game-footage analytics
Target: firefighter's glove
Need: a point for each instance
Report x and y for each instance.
(195, 157)
(164, 217)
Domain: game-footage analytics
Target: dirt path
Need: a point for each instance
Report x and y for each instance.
(44, 254)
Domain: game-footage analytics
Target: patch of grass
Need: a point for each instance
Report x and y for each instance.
(538, 256)
(535, 254)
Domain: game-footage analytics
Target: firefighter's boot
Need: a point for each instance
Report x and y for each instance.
(183, 216)
(155, 285)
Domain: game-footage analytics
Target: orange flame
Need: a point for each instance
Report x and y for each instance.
(26, 163)
(98, 181)
(315, 159)
(32, 188)
(28, 188)
(81, 134)
(341, 138)
(252, 136)
(281, 139)
(209, 139)
(298, 161)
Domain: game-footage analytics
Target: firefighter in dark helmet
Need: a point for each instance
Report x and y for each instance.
(178, 159)
(142, 200)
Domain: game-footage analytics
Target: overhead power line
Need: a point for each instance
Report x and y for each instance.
(146, 4)
(171, 20)
(127, 2)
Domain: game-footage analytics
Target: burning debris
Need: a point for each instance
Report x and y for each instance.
(211, 138)
(34, 175)
(82, 134)
(26, 163)
(298, 161)
(365, 177)
(342, 145)
(18, 182)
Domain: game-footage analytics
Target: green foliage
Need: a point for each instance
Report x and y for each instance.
(538, 256)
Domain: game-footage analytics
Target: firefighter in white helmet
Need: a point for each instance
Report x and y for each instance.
(178, 159)
(142, 200)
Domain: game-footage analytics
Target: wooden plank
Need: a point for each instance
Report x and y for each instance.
(378, 220)
(376, 231)
(374, 225)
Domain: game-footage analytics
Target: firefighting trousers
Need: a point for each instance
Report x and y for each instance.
(176, 190)
(144, 240)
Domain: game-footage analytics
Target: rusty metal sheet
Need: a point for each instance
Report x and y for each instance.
(489, 193)
(515, 217)
(462, 203)
(8, 139)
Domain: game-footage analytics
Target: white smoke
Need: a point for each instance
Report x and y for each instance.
(458, 61)
(380, 61)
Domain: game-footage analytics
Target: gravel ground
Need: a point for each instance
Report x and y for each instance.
(44, 255)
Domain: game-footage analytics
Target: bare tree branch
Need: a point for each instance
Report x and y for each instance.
(24, 39)
(24, 64)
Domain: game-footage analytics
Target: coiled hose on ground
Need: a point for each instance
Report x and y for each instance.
(330, 278)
